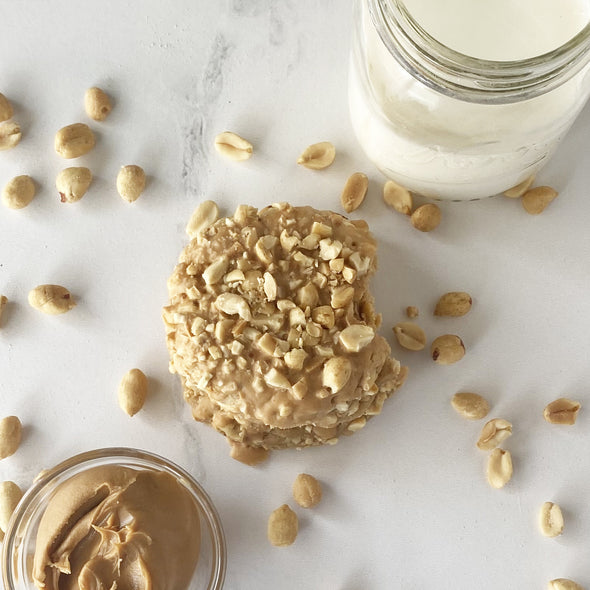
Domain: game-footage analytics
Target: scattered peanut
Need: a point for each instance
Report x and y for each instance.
(453, 304)
(470, 405)
(3, 302)
(307, 490)
(499, 471)
(564, 584)
(130, 182)
(203, 216)
(447, 349)
(410, 335)
(133, 391)
(283, 526)
(412, 311)
(426, 217)
(398, 197)
(336, 373)
(10, 436)
(536, 200)
(6, 110)
(493, 433)
(354, 192)
(51, 299)
(233, 146)
(562, 411)
(74, 141)
(10, 495)
(517, 191)
(318, 156)
(18, 192)
(551, 520)
(97, 104)
(10, 135)
(72, 184)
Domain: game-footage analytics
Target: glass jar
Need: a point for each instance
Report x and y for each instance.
(19, 542)
(451, 126)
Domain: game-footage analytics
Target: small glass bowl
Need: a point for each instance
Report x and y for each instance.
(19, 541)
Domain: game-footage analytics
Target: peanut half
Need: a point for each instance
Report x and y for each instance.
(10, 495)
(470, 405)
(447, 349)
(133, 391)
(317, 156)
(536, 200)
(500, 469)
(283, 526)
(130, 182)
(205, 215)
(51, 299)
(10, 135)
(564, 584)
(354, 192)
(493, 433)
(307, 490)
(97, 104)
(426, 217)
(517, 191)
(18, 192)
(248, 455)
(10, 436)
(453, 304)
(74, 141)
(72, 184)
(562, 411)
(6, 110)
(398, 197)
(232, 146)
(551, 520)
(410, 335)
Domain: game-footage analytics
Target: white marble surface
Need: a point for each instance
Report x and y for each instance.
(406, 502)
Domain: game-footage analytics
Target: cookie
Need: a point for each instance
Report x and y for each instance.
(272, 328)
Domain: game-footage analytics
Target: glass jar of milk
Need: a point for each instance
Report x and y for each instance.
(462, 99)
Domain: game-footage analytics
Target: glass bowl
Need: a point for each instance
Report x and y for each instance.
(19, 541)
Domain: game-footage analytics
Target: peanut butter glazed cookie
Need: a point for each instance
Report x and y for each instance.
(272, 329)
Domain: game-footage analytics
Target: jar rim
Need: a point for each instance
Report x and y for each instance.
(469, 78)
(136, 458)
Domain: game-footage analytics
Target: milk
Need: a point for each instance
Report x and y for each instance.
(443, 147)
(501, 30)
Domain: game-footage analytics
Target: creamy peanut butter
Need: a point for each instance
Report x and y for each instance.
(118, 528)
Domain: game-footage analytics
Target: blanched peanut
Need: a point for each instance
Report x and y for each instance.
(564, 584)
(133, 391)
(447, 349)
(10, 436)
(72, 184)
(453, 304)
(203, 216)
(354, 192)
(283, 526)
(470, 405)
(426, 217)
(74, 141)
(3, 302)
(562, 411)
(10, 495)
(318, 156)
(10, 135)
(307, 490)
(97, 104)
(18, 192)
(517, 191)
(494, 433)
(232, 146)
(130, 182)
(51, 299)
(500, 468)
(398, 197)
(6, 110)
(536, 200)
(551, 520)
(410, 335)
